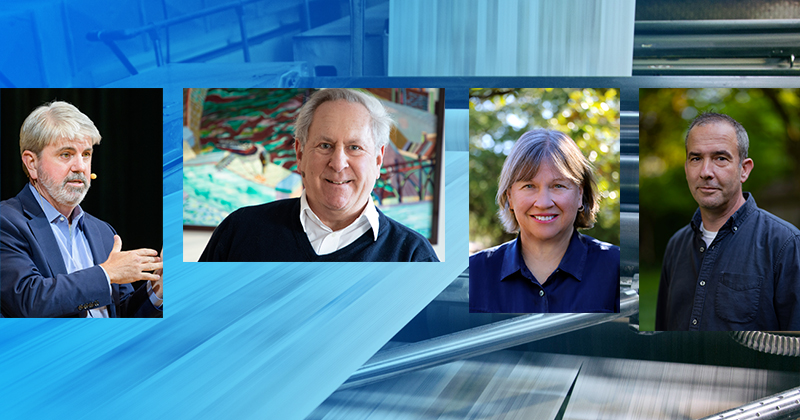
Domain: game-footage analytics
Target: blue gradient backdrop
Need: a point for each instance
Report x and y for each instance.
(239, 340)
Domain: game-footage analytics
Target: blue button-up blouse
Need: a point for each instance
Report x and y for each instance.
(586, 280)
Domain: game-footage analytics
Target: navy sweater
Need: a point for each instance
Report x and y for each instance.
(272, 232)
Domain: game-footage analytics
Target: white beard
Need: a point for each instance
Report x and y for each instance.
(64, 194)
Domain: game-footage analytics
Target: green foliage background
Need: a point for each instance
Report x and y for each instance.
(772, 120)
(498, 117)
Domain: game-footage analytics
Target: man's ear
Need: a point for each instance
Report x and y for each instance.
(29, 160)
(298, 151)
(379, 159)
(747, 166)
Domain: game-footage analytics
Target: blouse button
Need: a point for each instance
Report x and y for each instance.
(541, 292)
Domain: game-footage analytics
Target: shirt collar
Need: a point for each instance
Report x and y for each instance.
(734, 221)
(51, 213)
(572, 262)
(370, 213)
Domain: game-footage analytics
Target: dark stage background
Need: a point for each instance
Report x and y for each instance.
(128, 190)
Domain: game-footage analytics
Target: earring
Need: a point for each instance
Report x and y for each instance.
(580, 208)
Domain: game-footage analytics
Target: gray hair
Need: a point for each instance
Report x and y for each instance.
(53, 121)
(742, 141)
(381, 120)
(529, 152)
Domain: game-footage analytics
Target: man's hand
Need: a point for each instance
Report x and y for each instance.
(130, 266)
(158, 286)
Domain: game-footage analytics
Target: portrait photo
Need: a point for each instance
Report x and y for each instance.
(366, 189)
(82, 209)
(720, 206)
(544, 167)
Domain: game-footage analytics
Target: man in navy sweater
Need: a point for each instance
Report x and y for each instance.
(341, 136)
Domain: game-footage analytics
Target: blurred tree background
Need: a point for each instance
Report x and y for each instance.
(772, 120)
(498, 117)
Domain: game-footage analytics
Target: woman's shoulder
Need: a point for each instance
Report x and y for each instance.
(491, 254)
(596, 246)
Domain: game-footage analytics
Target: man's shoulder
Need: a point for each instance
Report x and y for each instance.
(682, 234)
(14, 206)
(399, 235)
(274, 211)
(776, 225)
(10, 207)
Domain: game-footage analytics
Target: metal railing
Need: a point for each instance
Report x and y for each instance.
(110, 37)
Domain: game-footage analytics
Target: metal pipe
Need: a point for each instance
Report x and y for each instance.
(732, 26)
(306, 16)
(130, 33)
(236, 45)
(357, 12)
(783, 405)
(243, 31)
(121, 56)
(716, 45)
(156, 47)
(481, 340)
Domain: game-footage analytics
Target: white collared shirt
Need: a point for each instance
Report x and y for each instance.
(324, 240)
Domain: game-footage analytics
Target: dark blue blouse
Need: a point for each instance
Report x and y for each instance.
(586, 280)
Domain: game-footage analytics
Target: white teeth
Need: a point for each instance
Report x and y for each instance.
(544, 219)
(337, 183)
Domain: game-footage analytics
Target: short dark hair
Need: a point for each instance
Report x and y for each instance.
(742, 141)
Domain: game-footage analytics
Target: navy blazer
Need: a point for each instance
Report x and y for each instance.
(33, 278)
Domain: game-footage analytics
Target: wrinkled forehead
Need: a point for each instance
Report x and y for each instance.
(341, 110)
(713, 134)
(78, 143)
(342, 120)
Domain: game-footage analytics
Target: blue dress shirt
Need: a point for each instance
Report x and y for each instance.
(74, 247)
(586, 280)
(747, 280)
(72, 243)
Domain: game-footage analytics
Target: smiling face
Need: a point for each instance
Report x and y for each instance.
(62, 172)
(339, 163)
(713, 170)
(546, 206)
